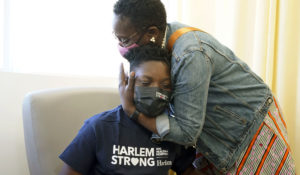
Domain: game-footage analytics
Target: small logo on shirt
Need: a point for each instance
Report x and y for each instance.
(140, 156)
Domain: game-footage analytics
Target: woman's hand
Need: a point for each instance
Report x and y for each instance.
(126, 91)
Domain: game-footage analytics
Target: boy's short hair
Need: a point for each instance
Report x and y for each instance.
(148, 52)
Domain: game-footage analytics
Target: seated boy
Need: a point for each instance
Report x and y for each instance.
(112, 143)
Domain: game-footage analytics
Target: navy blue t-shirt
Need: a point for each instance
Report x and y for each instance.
(111, 143)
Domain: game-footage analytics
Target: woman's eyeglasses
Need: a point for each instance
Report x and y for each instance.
(125, 41)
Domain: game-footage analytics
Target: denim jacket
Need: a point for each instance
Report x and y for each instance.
(219, 103)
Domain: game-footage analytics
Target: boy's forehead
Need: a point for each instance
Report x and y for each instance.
(150, 68)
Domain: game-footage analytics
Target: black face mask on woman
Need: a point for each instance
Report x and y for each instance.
(151, 101)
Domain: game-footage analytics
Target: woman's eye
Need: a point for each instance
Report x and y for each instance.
(124, 41)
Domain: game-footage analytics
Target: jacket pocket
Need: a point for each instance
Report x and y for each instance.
(230, 114)
(225, 127)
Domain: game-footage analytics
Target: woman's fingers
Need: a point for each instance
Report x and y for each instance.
(126, 90)
(131, 80)
(122, 76)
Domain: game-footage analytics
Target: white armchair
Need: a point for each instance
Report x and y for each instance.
(52, 119)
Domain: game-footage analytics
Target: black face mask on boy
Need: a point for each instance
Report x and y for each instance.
(151, 101)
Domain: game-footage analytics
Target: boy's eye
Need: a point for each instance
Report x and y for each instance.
(145, 83)
(166, 86)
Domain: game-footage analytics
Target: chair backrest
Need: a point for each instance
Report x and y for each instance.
(52, 119)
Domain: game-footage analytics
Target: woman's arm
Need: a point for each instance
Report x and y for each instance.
(192, 75)
(67, 170)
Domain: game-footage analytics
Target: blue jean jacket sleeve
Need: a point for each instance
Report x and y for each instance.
(191, 77)
(162, 124)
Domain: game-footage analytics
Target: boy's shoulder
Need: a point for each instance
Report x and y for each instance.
(113, 115)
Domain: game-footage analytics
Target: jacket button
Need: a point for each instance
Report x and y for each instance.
(270, 100)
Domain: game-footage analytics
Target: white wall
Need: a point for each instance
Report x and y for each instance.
(13, 88)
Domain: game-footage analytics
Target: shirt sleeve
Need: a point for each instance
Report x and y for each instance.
(192, 76)
(183, 160)
(80, 154)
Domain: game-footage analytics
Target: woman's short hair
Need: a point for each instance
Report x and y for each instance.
(143, 13)
(149, 52)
